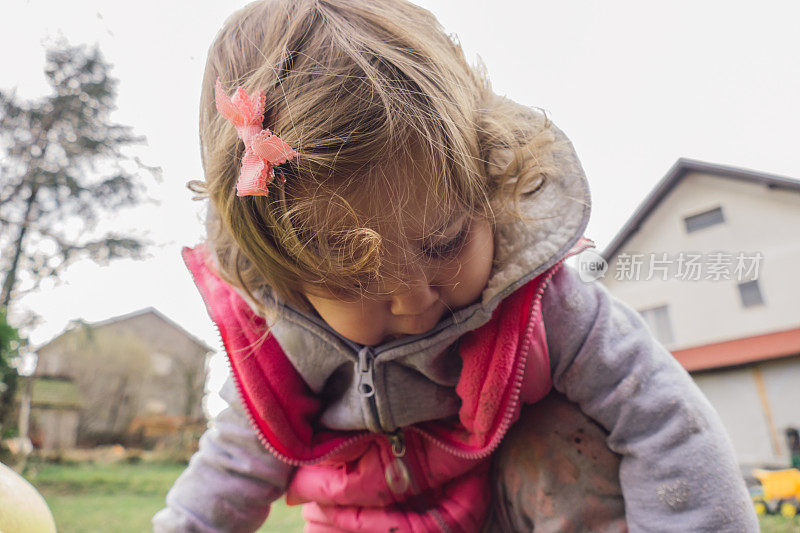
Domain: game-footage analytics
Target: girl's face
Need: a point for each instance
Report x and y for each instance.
(444, 273)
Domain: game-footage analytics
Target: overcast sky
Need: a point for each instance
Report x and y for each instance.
(636, 85)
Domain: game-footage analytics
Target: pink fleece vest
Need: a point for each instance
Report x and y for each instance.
(341, 476)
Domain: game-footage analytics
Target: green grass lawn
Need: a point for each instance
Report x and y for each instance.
(121, 498)
(779, 524)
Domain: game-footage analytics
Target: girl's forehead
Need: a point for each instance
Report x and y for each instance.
(418, 213)
(408, 198)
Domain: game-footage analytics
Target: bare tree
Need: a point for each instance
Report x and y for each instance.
(62, 164)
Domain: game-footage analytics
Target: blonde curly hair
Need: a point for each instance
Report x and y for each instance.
(359, 88)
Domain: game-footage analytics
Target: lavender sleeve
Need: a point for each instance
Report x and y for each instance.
(678, 471)
(229, 483)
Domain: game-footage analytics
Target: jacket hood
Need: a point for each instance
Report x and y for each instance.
(419, 369)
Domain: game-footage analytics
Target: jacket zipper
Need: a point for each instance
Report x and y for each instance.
(366, 375)
(397, 473)
(365, 369)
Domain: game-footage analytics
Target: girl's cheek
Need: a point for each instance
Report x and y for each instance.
(468, 275)
(480, 252)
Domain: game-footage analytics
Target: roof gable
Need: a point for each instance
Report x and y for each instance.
(134, 315)
(679, 170)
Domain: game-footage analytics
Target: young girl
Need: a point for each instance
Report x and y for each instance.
(395, 306)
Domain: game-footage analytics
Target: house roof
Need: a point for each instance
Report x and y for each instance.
(203, 346)
(679, 170)
(740, 351)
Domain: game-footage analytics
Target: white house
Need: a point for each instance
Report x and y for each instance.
(710, 259)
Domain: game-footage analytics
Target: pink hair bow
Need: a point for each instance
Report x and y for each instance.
(263, 149)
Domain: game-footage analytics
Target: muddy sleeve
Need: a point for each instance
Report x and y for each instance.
(678, 471)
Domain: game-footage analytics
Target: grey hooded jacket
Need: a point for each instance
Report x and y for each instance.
(678, 471)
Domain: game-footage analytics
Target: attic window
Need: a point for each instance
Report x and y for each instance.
(703, 220)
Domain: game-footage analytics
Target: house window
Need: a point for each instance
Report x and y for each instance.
(161, 364)
(704, 220)
(657, 319)
(750, 293)
(155, 407)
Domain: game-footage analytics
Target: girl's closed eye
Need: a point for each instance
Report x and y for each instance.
(449, 248)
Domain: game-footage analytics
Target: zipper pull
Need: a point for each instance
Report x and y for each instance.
(397, 476)
(398, 441)
(366, 385)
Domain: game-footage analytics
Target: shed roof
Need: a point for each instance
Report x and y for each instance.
(54, 393)
(740, 351)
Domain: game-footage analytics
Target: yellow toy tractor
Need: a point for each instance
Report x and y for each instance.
(779, 492)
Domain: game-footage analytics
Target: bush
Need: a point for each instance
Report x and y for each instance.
(9, 351)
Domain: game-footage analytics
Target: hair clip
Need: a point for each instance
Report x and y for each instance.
(263, 149)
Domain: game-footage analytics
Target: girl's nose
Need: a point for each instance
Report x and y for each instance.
(414, 297)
